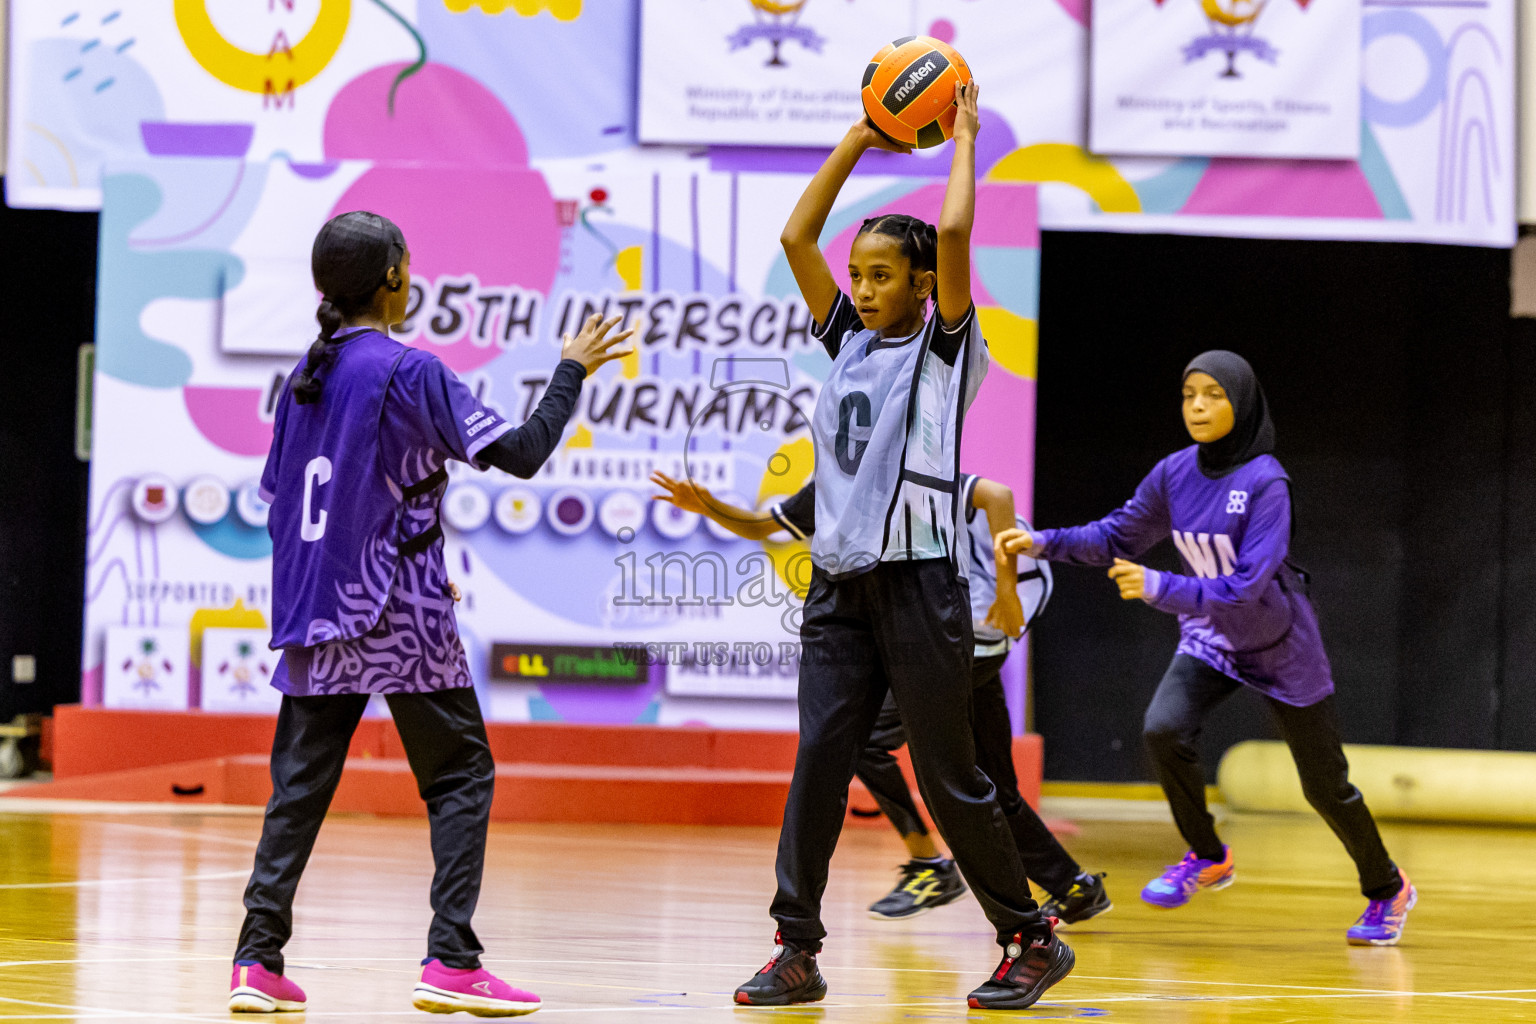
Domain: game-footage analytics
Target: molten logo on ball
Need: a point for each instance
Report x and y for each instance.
(914, 78)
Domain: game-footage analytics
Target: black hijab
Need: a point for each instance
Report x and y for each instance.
(1253, 433)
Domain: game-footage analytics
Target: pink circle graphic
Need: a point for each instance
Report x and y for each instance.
(457, 183)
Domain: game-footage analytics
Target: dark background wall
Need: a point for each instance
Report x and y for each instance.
(1402, 393)
(50, 311)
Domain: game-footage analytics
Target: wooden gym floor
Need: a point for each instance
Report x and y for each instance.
(132, 916)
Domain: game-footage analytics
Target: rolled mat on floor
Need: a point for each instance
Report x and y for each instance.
(1406, 783)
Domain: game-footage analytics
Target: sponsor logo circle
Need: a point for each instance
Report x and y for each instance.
(466, 507)
(205, 500)
(621, 511)
(518, 509)
(672, 522)
(569, 512)
(252, 509)
(154, 498)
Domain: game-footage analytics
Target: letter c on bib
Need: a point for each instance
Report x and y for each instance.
(316, 473)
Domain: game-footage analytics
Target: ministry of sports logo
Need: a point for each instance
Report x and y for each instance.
(1232, 24)
(776, 21)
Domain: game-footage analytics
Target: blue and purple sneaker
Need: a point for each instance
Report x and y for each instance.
(1174, 887)
(1383, 920)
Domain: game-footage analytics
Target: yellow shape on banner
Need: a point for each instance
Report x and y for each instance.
(581, 437)
(1214, 11)
(789, 469)
(1070, 165)
(630, 264)
(563, 10)
(777, 7)
(1012, 341)
(236, 616)
(276, 72)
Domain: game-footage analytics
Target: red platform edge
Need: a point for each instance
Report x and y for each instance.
(546, 771)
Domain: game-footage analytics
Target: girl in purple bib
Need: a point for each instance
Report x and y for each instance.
(1244, 620)
(361, 602)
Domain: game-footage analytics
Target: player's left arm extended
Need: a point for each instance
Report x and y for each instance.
(996, 500)
(1265, 545)
(958, 213)
(692, 496)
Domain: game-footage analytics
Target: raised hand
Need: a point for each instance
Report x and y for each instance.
(592, 346)
(968, 116)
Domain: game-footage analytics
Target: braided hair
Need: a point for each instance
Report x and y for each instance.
(918, 239)
(350, 262)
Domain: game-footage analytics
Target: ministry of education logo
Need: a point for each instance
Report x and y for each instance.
(1232, 24)
(777, 21)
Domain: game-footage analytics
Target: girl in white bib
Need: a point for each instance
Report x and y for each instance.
(888, 607)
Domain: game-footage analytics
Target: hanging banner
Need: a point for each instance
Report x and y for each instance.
(97, 80)
(1238, 78)
(758, 72)
(583, 599)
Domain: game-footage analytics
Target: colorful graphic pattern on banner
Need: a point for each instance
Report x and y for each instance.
(1226, 78)
(100, 79)
(203, 306)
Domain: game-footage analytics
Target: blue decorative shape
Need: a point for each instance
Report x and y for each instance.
(1378, 174)
(1169, 190)
(130, 279)
(83, 109)
(541, 710)
(1012, 275)
(652, 713)
(1417, 29)
(235, 538)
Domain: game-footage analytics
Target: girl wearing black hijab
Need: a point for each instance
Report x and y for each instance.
(1244, 620)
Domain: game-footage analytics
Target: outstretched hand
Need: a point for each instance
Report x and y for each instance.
(1010, 542)
(687, 495)
(592, 347)
(1131, 579)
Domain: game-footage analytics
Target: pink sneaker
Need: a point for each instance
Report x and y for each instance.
(254, 989)
(477, 992)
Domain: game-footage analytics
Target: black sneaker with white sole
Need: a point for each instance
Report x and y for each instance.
(923, 885)
(790, 976)
(1087, 898)
(1026, 971)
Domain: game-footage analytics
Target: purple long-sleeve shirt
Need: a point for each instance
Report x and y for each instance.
(1241, 607)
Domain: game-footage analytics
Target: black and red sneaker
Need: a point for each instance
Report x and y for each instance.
(790, 976)
(1025, 973)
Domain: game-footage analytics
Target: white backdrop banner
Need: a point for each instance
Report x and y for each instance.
(316, 81)
(757, 72)
(1226, 78)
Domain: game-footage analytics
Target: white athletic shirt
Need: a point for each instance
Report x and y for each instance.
(887, 435)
